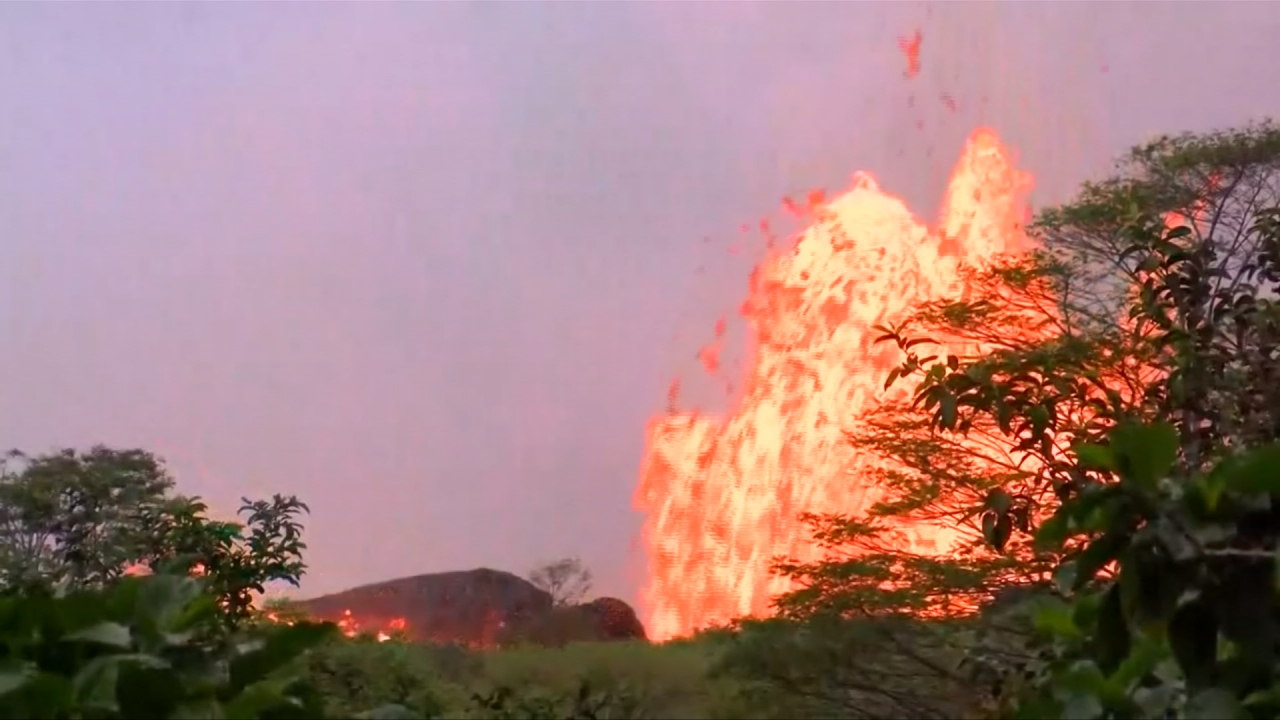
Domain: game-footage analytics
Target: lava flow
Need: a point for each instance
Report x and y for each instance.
(722, 495)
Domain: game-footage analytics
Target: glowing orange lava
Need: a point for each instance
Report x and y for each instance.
(722, 495)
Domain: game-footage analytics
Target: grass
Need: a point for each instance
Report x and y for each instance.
(670, 680)
(641, 680)
(872, 668)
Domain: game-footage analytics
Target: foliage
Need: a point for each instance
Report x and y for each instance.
(141, 649)
(351, 675)
(1152, 304)
(84, 519)
(75, 517)
(1164, 528)
(567, 580)
(1190, 624)
(636, 678)
(827, 666)
(238, 560)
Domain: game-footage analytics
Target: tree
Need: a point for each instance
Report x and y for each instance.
(75, 517)
(237, 560)
(83, 519)
(567, 580)
(1069, 343)
(1147, 326)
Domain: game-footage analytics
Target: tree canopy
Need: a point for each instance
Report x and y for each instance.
(1111, 442)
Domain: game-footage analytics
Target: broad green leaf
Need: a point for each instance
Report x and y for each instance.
(1095, 457)
(1193, 637)
(259, 697)
(947, 412)
(1145, 656)
(162, 598)
(998, 500)
(52, 694)
(1211, 487)
(1214, 704)
(1144, 453)
(1096, 556)
(1256, 471)
(104, 633)
(1052, 533)
(1112, 637)
(13, 677)
(1054, 619)
(95, 685)
(281, 645)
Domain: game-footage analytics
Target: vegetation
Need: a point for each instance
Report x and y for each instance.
(1110, 443)
(567, 580)
(1108, 449)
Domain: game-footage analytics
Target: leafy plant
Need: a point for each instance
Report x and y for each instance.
(142, 648)
(237, 560)
(84, 519)
(1135, 358)
(1189, 624)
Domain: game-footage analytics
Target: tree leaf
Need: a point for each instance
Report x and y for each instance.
(1052, 533)
(1144, 453)
(258, 698)
(1193, 636)
(94, 686)
(15, 677)
(281, 645)
(1095, 457)
(1256, 471)
(1113, 639)
(1214, 704)
(1097, 555)
(104, 633)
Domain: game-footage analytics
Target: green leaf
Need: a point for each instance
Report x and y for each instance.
(1096, 556)
(1144, 453)
(162, 598)
(1055, 619)
(15, 677)
(947, 411)
(260, 697)
(104, 633)
(95, 685)
(1052, 533)
(1214, 704)
(1193, 636)
(1145, 656)
(998, 500)
(1112, 639)
(1256, 471)
(1095, 457)
(282, 644)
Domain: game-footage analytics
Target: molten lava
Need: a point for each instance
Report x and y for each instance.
(722, 495)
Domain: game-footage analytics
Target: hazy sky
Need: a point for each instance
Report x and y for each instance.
(431, 266)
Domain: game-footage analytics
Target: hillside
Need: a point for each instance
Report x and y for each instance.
(481, 608)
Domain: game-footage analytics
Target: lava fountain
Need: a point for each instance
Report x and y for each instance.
(722, 495)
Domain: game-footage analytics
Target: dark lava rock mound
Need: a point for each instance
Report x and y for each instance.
(481, 608)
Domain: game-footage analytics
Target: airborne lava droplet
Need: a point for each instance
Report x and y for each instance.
(722, 494)
(910, 46)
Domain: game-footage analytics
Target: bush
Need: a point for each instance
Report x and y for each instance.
(148, 647)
